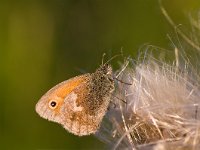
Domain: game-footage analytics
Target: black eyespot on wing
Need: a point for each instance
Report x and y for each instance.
(53, 104)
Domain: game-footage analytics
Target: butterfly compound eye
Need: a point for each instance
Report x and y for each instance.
(52, 104)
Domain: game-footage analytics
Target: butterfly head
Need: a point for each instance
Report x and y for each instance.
(105, 69)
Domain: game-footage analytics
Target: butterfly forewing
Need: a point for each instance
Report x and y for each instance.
(57, 94)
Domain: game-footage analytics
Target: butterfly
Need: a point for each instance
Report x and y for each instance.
(80, 103)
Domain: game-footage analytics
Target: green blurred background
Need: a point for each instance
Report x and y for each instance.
(45, 42)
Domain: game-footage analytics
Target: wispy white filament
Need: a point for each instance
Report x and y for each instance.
(161, 109)
(162, 106)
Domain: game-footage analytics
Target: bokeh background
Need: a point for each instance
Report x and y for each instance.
(45, 42)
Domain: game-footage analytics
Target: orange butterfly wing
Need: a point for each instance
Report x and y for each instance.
(69, 96)
(58, 93)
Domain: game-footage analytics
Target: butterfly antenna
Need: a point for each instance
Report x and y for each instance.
(104, 54)
(113, 58)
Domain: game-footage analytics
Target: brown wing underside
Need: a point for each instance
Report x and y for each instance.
(78, 119)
